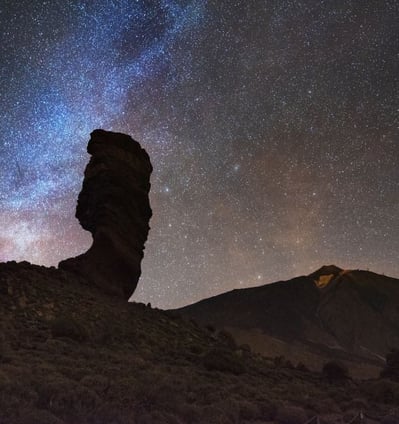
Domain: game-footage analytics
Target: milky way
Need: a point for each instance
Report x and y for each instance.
(272, 127)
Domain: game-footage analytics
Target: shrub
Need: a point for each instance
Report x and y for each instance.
(188, 413)
(213, 414)
(67, 399)
(227, 339)
(107, 333)
(15, 394)
(78, 403)
(210, 328)
(289, 364)
(384, 391)
(279, 361)
(224, 361)
(111, 413)
(320, 406)
(337, 394)
(38, 416)
(96, 382)
(161, 417)
(231, 407)
(243, 351)
(5, 353)
(123, 391)
(302, 367)
(68, 327)
(357, 404)
(335, 371)
(391, 369)
(195, 349)
(268, 409)
(291, 415)
(390, 419)
(249, 410)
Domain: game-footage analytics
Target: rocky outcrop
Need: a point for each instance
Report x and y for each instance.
(114, 206)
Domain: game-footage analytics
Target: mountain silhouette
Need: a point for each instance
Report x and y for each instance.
(331, 313)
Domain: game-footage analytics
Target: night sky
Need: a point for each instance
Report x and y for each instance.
(272, 127)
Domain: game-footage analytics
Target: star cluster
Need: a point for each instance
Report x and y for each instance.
(272, 127)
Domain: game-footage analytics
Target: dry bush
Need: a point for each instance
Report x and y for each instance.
(223, 361)
(159, 417)
(107, 333)
(249, 410)
(38, 416)
(188, 413)
(195, 349)
(159, 392)
(206, 394)
(390, 419)
(299, 391)
(227, 339)
(319, 406)
(302, 367)
(383, 391)
(5, 352)
(65, 326)
(123, 391)
(110, 413)
(391, 369)
(96, 382)
(357, 404)
(66, 398)
(335, 372)
(16, 395)
(337, 394)
(268, 409)
(291, 415)
(231, 408)
(214, 414)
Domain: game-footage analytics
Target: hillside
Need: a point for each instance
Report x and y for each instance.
(329, 314)
(73, 354)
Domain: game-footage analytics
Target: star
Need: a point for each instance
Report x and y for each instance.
(271, 127)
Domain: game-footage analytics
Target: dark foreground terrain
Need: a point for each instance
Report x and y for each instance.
(71, 354)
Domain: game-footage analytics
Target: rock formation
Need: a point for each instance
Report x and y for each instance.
(114, 206)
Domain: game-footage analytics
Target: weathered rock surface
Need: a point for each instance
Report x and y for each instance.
(114, 206)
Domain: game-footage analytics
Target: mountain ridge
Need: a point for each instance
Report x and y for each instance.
(352, 311)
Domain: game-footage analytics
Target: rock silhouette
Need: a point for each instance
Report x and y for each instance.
(114, 206)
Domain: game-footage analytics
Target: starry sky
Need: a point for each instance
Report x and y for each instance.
(272, 127)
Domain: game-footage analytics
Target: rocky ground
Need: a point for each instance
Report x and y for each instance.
(71, 354)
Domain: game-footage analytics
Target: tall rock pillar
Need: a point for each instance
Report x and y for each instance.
(114, 206)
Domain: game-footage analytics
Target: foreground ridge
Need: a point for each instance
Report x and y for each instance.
(69, 353)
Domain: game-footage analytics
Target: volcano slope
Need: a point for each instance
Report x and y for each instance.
(330, 314)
